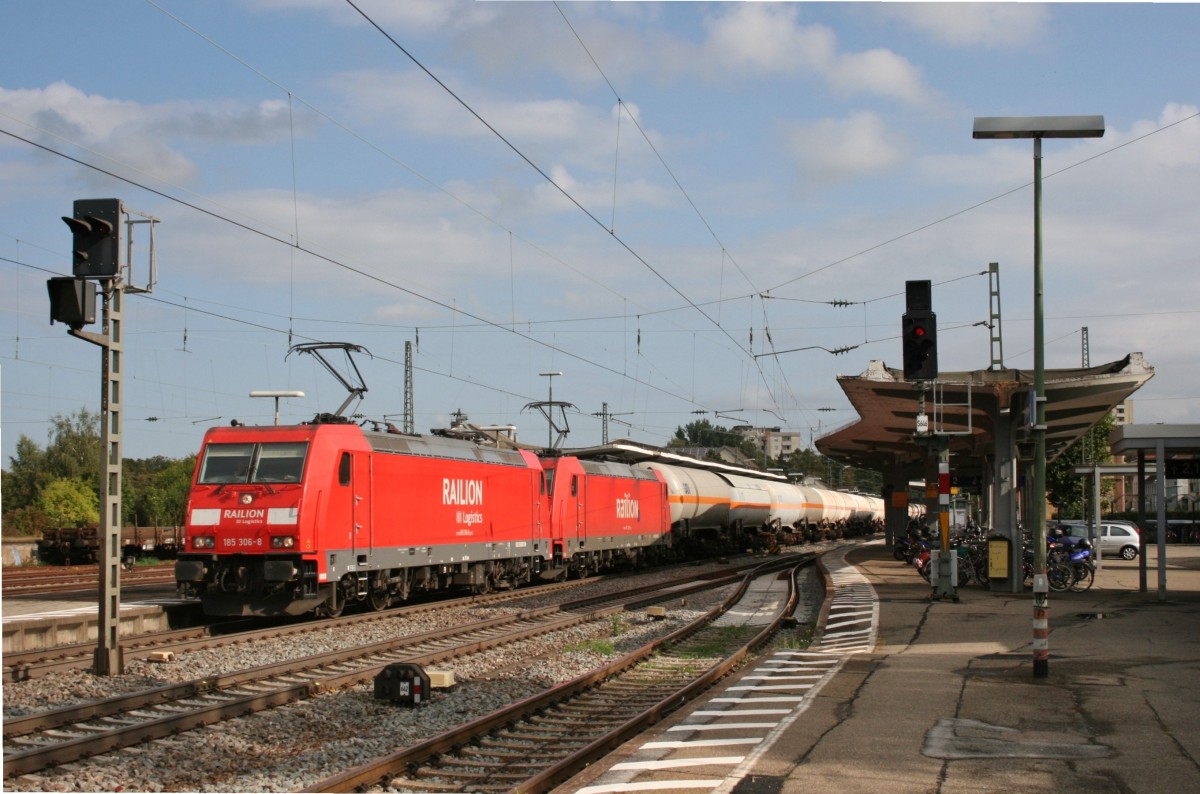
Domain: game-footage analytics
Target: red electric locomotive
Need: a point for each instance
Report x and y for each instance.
(308, 518)
(604, 513)
(289, 520)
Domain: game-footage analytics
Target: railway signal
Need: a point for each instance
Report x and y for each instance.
(72, 301)
(96, 237)
(918, 332)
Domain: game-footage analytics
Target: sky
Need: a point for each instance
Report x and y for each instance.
(689, 210)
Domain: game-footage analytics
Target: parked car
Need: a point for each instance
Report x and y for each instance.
(1121, 540)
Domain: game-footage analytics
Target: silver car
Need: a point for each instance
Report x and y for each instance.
(1121, 540)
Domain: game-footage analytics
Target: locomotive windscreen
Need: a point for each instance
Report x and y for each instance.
(271, 462)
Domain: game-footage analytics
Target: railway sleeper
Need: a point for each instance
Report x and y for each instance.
(510, 753)
(658, 685)
(450, 771)
(526, 752)
(472, 760)
(540, 740)
(407, 784)
(576, 722)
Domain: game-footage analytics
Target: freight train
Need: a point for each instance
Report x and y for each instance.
(289, 520)
(81, 545)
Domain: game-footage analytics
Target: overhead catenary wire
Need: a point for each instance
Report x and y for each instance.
(538, 169)
(335, 262)
(293, 97)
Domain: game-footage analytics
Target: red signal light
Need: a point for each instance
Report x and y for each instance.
(919, 331)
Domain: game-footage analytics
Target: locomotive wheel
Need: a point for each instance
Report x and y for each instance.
(379, 598)
(336, 602)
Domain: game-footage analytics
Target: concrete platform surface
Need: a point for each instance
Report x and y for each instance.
(943, 698)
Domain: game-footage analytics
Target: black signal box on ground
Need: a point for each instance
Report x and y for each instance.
(404, 683)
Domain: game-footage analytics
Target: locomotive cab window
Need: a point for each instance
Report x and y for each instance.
(280, 462)
(273, 462)
(226, 463)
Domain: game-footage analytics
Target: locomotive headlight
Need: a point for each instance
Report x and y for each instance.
(283, 542)
(204, 542)
(246, 498)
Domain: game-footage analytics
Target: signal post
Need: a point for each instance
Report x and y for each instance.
(918, 331)
(96, 228)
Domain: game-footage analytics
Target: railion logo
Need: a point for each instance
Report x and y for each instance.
(462, 492)
(628, 507)
(244, 515)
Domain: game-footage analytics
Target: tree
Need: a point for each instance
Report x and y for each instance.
(813, 464)
(68, 502)
(28, 521)
(1068, 492)
(74, 448)
(703, 433)
(804, 461)
(155, 490)
(72, 452)
(27, 474)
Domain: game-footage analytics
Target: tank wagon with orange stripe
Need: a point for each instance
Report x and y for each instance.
(714, 503)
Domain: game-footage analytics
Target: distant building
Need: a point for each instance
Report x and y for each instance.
(1124, 488)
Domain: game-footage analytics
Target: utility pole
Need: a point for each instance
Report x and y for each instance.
(604, 417)
(409, 422)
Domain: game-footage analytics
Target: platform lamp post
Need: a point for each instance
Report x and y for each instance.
(550, 409)
(1038, 127)
(277, 395)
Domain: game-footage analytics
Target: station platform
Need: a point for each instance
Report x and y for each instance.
(940, 696)
(31, 623)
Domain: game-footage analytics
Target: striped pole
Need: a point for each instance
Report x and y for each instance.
(944, 501)
(947, 565)
(1041, 624)
(1041, 636)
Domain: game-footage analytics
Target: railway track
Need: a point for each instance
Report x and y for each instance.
(543, 740)
(46, 579)
(28, 665)
(38, 741)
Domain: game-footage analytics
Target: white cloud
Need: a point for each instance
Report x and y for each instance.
(834, 150)
(420, 104)
(768, 39)
(145, 138)
(976, 25)
(880, 72)
(407, 15)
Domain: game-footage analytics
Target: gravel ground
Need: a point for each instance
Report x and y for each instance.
(286, 748)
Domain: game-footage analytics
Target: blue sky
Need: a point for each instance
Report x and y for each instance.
(652, 198)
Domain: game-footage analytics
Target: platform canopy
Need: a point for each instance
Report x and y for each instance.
(967, 405)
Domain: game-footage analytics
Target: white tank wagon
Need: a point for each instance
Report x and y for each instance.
(865, 508)
(717, 502)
